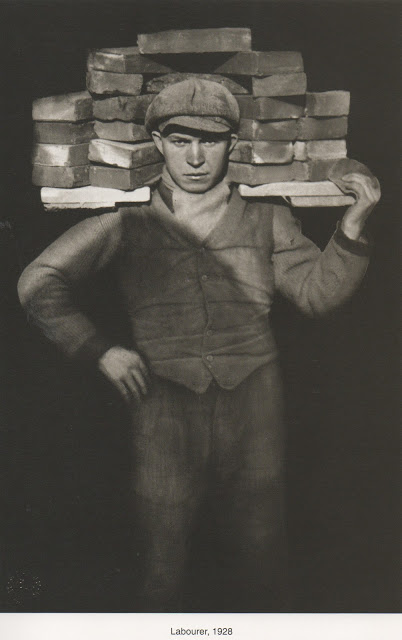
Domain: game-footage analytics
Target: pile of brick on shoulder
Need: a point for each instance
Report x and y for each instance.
(289, 138)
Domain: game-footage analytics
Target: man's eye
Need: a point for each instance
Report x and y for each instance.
(179, 143)
(209, 143)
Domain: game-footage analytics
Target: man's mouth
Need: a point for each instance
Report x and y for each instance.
(196, 176)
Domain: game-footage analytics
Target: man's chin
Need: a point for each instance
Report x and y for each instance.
(195, 188)
(197, 185)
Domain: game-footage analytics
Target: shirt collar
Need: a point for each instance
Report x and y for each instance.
(162, 209)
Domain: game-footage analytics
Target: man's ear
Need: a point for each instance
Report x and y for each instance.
(157, 138)
(233, 140)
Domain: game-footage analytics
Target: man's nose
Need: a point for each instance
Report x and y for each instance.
(195, 154)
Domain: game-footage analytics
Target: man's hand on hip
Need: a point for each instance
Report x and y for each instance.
(127, 371)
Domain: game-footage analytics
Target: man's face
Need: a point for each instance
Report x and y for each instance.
(196, 160)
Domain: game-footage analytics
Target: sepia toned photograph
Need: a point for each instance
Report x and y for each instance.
(199, 321)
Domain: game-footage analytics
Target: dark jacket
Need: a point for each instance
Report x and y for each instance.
(197, 310)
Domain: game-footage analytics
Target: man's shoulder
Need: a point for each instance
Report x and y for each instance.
(275, 203)
(138, 209)
(137, 219)
(133, 211)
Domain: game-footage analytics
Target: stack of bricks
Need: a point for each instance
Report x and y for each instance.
(122, 156)
(302, 133)
(62, 130)
(289, 139)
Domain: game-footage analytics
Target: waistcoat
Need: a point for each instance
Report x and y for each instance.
(199, 310)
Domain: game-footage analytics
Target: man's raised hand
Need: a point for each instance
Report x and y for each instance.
(127, 371)
(368, 192)
(354, 177)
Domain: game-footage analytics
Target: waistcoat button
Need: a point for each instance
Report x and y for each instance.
(204, 277)
(210, 358)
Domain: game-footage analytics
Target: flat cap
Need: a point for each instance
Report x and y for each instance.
(195, 103)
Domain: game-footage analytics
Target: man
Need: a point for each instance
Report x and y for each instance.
(198, 268)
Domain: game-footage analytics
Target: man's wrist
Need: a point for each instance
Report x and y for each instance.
(93, 348)
(112, 348)
(352, 230)
(361, 247)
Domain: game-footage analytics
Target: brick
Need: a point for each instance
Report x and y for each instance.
(64, 177)
(245, 63)
(321, 201)
(123, 154)
(92, 197)
(320, 169)
(278, 130)
(63, 132)
(322, 129)
(300, 151)
(107, 83)
(125, 179)
(253, 175)
(328, 103)
(261, 63)
(157, 84)
(60, 155)
(326, 149)
(262, 152)
(125, 60)
(271, 108)
(124, 108)
(299, 189)
(70, 107)
(195, 41)
(100, 207)
(283, 84)
(348, 165)
(121, 131)
(335, 168)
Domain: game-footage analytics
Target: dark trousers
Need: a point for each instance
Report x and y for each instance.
(221, 447)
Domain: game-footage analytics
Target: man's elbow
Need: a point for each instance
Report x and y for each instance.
(24, 287)
(323, 306)
(317, 312)
(28, 284)
(311, 310)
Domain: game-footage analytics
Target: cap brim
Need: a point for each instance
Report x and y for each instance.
(198, 123)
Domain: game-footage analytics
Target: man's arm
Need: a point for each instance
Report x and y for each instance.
(316, 281)
(46, 291)
(46, 287)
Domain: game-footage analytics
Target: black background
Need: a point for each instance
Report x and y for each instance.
(65, 446)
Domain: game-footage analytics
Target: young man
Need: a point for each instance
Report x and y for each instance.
(198, 268)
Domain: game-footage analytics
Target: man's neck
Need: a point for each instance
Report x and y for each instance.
(200, 211)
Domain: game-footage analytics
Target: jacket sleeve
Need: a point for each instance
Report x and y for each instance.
(46, 286)
(316, 281)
